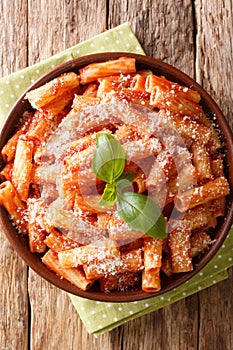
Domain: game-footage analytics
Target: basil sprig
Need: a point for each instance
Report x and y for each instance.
(109, 195)
(109, 158)
(139, 211)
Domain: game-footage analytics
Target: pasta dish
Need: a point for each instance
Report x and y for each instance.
(116, 177)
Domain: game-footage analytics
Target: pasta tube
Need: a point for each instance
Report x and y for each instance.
(22, 167)
(53, 90)
(96, 70)
(179, 241)
(75, 276)
(16, 208)
(202, 194)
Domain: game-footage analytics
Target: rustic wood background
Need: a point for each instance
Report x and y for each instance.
(196, 37)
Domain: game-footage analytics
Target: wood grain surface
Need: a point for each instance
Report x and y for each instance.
(196, 37)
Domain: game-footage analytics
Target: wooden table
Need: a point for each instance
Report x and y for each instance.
(196, 37)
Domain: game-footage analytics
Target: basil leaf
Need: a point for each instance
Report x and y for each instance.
(124, 181)
(109, 158)
(109, 195)
(141, 213)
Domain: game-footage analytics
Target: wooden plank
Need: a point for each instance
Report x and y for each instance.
(214, 62)
(216, 309)
(13, 48)
(61, 25)
(164, 28)
(173, 327)
(214, 71)
(14, 300)
(13, 276)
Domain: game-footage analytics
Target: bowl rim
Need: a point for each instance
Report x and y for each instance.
(16, 240)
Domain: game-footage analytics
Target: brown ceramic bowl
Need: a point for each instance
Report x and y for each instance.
(19, 242)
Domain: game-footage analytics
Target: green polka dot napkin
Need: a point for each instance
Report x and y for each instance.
(100, 317)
